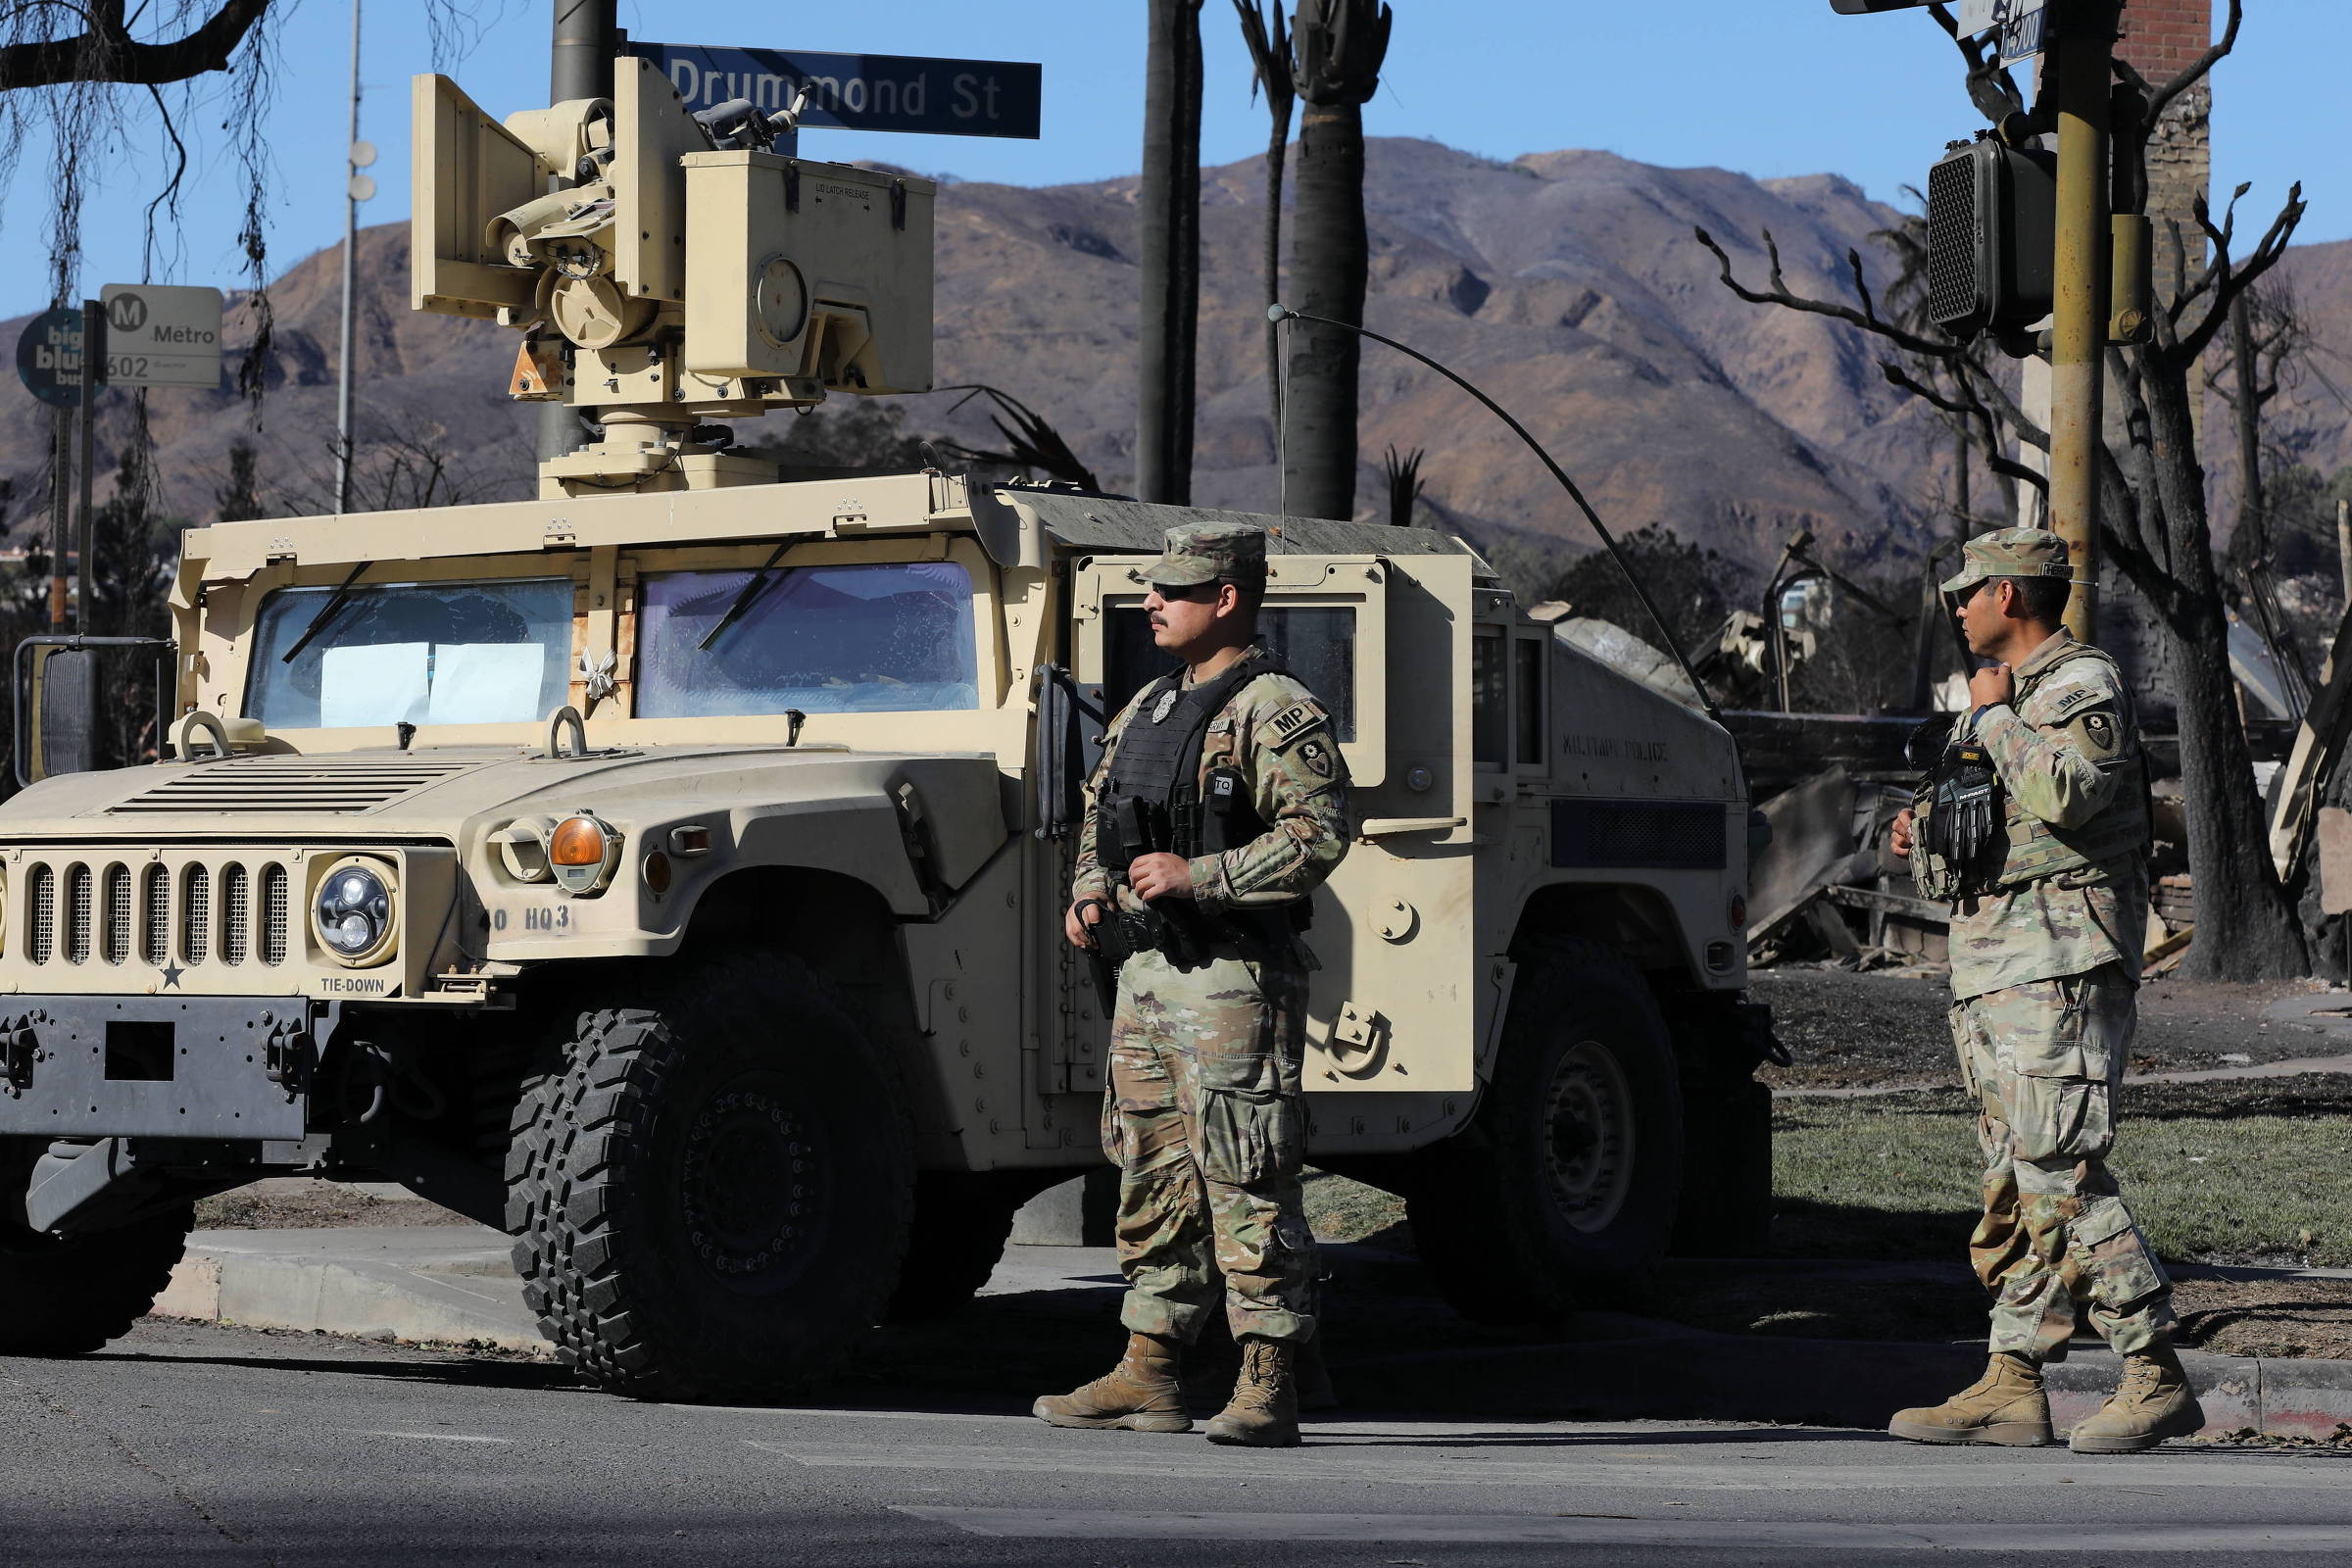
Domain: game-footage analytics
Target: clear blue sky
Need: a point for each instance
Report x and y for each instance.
(1770, 87)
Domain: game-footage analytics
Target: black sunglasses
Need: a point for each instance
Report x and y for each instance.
(1190, 592)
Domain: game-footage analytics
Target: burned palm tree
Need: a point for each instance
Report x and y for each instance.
(1405, 484)
(1169, 212)
(1268, 37)
(1337, 50)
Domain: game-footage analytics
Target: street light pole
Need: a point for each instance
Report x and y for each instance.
(351, 242)
(2077, 69)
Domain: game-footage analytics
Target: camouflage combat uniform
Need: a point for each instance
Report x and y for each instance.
(2043, 979)
(1203, 1113)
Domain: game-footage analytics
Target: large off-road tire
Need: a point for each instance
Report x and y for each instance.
(71, 1296)
(1572, 1169)
(712, 1200)
(962, 1220)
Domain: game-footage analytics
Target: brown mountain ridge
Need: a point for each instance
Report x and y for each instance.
(1565, 284)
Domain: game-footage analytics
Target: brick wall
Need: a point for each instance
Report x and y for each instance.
(2161, 37)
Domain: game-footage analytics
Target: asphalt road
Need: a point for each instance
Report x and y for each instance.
(197, 1444)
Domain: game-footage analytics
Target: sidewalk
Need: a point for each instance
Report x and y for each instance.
(452, 1284)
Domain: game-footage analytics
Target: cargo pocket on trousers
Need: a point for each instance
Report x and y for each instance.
(2041, 1030)
(1248, 1136)
(1114, 1131)
(2113, 1252)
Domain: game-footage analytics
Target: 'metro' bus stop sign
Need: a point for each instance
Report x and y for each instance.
(860, 92)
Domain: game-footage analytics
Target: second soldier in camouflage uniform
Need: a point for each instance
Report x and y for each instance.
(1204, 1115)
(2045, 961)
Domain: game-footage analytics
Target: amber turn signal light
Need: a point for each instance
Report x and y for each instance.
(577, 841)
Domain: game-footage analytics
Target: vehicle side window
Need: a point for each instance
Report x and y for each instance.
(1489, 719)
(1318, 642)
(873, 637)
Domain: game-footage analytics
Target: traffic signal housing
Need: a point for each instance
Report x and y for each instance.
(1991, 231)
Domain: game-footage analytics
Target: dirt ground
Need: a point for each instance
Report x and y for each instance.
(1852, 1030)
(288, 1203)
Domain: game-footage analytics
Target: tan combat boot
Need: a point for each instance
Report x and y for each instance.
(2005, 1406)
(1265, 1412)
(2151, 1403)
(1142, 1394)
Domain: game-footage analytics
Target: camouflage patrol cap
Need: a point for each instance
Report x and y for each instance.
(2010, 553)
(1204, 552)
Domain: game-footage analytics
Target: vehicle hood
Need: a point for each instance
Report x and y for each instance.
(455, 794)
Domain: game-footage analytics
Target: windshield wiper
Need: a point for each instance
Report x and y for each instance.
(327, 614)
(744, 600)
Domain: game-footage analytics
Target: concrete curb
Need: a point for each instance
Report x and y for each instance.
(451, 1285)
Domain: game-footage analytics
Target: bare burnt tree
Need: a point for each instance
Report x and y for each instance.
(2253, 364)
(1338, 47)
(1975, 431)
(1268, 37)
(2153, 522)
(1168, 270)
(400, 463)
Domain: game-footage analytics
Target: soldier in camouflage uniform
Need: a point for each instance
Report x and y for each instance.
(1203, 1113)
(2045, 945)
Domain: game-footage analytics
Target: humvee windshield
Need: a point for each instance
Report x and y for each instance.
(869, 638)
(424, 653)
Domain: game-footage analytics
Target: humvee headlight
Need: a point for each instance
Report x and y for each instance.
(584, 851)
(352, 912)
(522, 848)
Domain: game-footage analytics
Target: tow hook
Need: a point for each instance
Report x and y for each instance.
(19, 1048)
(288, 1056)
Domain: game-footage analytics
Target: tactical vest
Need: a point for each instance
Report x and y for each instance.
(1158, 762)
(2035, 849)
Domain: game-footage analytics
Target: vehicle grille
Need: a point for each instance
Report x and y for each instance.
(155, 942)
(41, 924)
(1626, 833)
(237, 909)
(274, 914)
(190, 912)
(118, 913)
(195, 914)
(336, 785)
(78, 911)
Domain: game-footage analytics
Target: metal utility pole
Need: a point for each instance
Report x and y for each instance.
(60, 469)
(587, 35)
(2078, 70)
(93, 362)
(351, 242)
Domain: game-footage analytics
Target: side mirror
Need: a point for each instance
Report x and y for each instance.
(64, 684)
(1059, 763)
(59, 681)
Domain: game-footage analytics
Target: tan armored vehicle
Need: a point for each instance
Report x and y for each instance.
(669, 870)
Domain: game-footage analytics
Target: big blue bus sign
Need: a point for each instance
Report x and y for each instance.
(862, 93)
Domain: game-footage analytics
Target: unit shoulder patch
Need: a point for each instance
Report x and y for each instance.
(2100, 734)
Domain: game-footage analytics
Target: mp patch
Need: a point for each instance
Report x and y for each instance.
(1293, 722)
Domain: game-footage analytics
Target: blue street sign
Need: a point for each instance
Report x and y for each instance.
(49, 357)
(862, 93)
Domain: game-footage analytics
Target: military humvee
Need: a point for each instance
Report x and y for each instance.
(669, 870)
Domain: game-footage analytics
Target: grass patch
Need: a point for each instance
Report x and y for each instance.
(2253, 1171)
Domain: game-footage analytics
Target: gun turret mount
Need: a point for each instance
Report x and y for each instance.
(665, 271)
